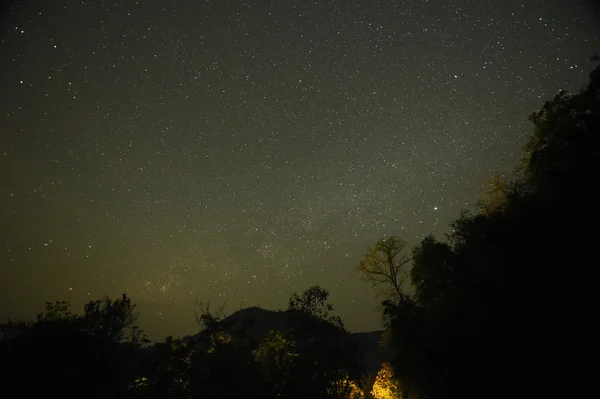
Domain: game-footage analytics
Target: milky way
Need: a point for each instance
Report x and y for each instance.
(238, 151)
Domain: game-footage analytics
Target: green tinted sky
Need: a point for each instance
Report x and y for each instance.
(237, 151)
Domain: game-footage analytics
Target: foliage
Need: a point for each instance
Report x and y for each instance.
(509, 298)
(432, 272)
(113, 321)
(384, 266)
(309, 359)
(207, 319)
(345, 388)
(90, 355)
(497, 197)
(325, 354)
(57, 311)
(277, 355)
(313, 303)
(385, 385)
(169, 373)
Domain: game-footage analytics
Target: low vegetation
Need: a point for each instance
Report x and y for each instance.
(506, 300)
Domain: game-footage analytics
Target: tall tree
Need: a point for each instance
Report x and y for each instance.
(325, 354)
(509, 300)
(385, 266)
(432, 270)
(313, 302)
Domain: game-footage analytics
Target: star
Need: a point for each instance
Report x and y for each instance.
(237, 154)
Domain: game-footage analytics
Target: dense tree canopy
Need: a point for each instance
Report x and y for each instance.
(507, 300)
(90, 355)
(313, 303)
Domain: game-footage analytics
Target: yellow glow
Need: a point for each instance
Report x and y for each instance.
(346, 388)
(386, 386)
(219, 338)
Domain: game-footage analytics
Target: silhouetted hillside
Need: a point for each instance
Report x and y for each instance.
(254, 323)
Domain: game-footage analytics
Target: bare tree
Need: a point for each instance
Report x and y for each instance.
(384, 266)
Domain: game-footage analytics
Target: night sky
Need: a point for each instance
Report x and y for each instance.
(238, 151)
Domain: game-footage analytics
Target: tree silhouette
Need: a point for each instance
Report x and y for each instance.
(277, 356)
(432, 272)
(385, 265)
(509, 300)
(71, 355)
(113, 321)
(313, 303)
(325, 355)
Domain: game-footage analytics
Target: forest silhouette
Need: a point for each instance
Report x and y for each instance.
(505, 301)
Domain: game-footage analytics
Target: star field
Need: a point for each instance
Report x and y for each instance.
(238, 151)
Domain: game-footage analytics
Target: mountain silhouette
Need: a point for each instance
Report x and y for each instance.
(254, 323)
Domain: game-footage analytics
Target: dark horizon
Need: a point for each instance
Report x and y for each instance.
(241, 152)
